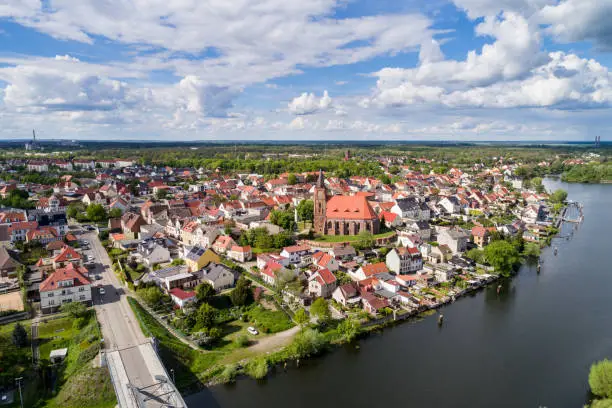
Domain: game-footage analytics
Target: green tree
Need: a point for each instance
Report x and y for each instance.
(365, 240)
(74, 309)
(96, 212)
(292, 179)
(600, 378)
(151, 295)
(114, 213)
(242, 295)
(502, 255)
(205, 316)
(536, 183)
(19, 336)
(161, 194)
(204, 292)
(559, 196)
(348, 329)
(531, 250)
(320, 309)
(301, 317)
(305, 210)
(476, 255)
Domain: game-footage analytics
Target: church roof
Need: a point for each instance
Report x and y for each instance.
(349, 208)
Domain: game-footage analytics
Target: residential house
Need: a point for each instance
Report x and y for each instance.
(67, 256)
(343, 252)
(44, 235)
(8, 265)
(197, 258)
(223, 244)
(404, 260)
(240, 253)
(455, 238)
(297, 254)
(481, 235)
(182, 298)
(131, 223)
(370, 270)
(322, 283)
(324, 260)
(347, 295)
(65, 285)
(373, 304)
(150, 252)
(218, 275)
(18, 230)
(450, 204)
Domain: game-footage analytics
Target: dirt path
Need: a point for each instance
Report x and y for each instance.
(274, 341)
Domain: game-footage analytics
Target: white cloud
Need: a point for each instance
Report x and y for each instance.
(580, 20)
(308, 103)
(480, 8)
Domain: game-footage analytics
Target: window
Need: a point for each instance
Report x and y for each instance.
(50, 294)
(81, 289)
(51, 302)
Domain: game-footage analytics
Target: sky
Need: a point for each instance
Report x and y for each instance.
(481, 70)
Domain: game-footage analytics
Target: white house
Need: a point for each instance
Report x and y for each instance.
(65, 285)
(218, 275)
(240, 253)
(404, 260)
(455, 238)
(450, 204)
(297, 254)
(182, 298)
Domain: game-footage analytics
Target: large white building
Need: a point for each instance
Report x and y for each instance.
(65, 285)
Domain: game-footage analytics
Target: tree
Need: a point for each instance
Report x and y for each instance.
(559, 196)
(205, 316)
(502, 255)
(19, 336)
(348, 329)
(96, 212)
(74, 309)
(366, 240)
(204, 292)
(531, 250)
(151, 295)
(114, 213)
(476, 255)
(242, 295)
(600, 378)
(305, 210)
(301, 317)
(536, 183)
(161, 194)
(320, 309)
(292, 179)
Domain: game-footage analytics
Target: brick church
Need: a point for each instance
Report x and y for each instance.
(342, 215)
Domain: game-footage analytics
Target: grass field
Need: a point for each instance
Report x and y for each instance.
(54, 334)
(352, 238)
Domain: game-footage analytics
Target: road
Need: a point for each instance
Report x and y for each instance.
(119, 325)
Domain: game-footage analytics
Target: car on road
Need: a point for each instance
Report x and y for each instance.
(252, 330)
(102, 291)
(85, 242)
(98, 277)
(90, 258)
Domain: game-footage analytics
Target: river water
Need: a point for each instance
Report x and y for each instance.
(529, 346)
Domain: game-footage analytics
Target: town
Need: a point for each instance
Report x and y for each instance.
(224, 267)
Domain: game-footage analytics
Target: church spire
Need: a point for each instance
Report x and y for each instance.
(321, 180)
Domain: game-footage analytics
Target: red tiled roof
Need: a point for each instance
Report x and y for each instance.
(181, 294)
(326, 276)
(76, 274)
(67, 254)
(374, 269)
(349, 208)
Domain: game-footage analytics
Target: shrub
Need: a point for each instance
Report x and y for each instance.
(242, 341)
(257, 368)
(600, 378)
(19, 336)
(229, 373)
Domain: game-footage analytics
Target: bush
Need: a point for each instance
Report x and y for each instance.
(600, 379)
(242, 341)
(229, 373)
(79, 323)
(257, 368)
(19, 336)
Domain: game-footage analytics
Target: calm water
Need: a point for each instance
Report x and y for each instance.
(531, 346)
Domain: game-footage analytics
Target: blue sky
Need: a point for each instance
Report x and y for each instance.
(321, 69)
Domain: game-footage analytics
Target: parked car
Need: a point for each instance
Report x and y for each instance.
(102, 291)
(252, 330)
(98, 277)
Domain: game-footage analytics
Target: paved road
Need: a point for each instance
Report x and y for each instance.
(119, 325)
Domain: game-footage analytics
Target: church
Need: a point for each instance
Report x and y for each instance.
(342, 215)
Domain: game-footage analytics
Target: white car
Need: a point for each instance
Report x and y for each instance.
(252, 330)
(102, 291)
(90, 258)
(85, 242)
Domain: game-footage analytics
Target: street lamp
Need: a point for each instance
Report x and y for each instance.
(18, 381)
(172, 372)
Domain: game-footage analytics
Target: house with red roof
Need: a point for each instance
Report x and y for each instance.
(404, 260)
(324, 260)
(270, 271)
(322, 283)
(68, 255)
(373, 304)
(44, 235)
(298, 254)
(370, 270)
(223, 244)
(240, 253)
(65, 285)
(481, 235)
(181, 297)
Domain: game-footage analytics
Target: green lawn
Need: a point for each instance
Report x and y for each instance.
(269, 321)
(351, 238)
(54, 334)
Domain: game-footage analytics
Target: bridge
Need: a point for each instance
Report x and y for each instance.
(138, 375)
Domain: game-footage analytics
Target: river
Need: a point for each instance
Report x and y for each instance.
(529, 346)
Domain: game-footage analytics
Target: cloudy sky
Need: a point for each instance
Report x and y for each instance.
(306, 69)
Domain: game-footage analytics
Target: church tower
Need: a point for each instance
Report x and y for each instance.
(320, 205)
